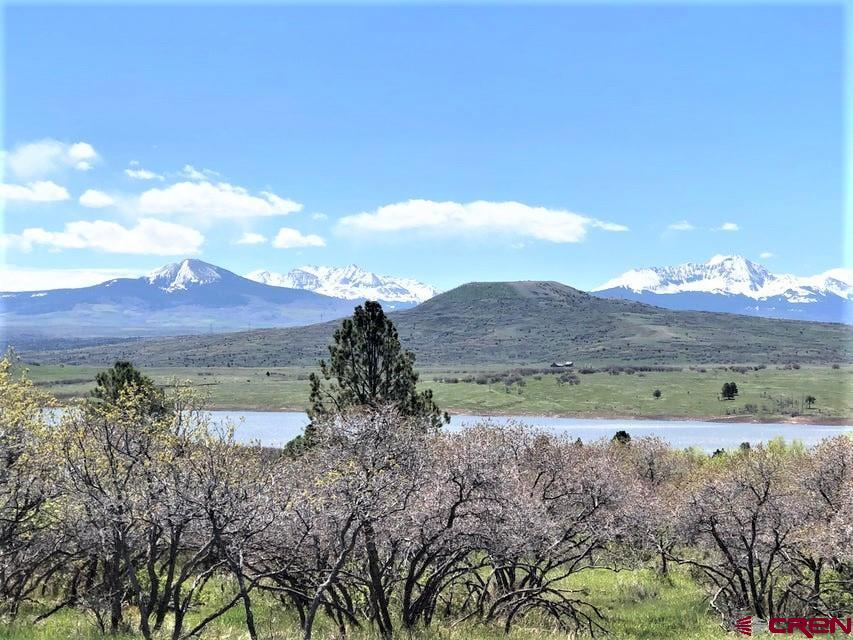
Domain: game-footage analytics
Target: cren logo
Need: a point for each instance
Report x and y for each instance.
(808, 627)
(744, 626)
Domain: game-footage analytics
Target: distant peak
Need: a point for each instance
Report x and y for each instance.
(184, 274)
(721, 259)
(350, 282)
(733, 261)
(195, 262)
(728, 275)
(175, 266)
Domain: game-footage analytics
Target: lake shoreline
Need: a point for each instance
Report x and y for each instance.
(828, 421)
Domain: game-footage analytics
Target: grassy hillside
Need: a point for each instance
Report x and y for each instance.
(510, 323)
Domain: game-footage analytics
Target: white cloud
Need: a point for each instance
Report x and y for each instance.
(728, 226)
(287, 238)
(208, 200)
(41, 158)
(82, 154)
(24, 279)
(552, 225)
(767, 254)
(142, 174)
(192, 173)
(42, 191)
(681, 225)
(149, 236)
(251, 238)
(95, 199)
(319, 216)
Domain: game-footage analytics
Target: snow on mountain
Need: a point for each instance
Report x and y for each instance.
(350, 283)
(733, 284)
(734, 275)
(186, 297)
(182, 275)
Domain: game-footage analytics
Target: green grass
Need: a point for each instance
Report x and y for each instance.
(227, 387)
(63, 625)
(639, 605)
(685, 394)
(644, 606)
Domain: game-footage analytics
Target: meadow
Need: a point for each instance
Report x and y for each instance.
(771, 393)
(639, 605)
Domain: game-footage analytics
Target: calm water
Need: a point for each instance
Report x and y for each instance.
(276, 428)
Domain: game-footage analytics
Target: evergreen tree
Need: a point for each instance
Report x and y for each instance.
(368, 367)
(109, 385)
(729, 391)
(622, 437)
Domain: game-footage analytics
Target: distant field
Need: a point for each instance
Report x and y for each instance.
(765, 394)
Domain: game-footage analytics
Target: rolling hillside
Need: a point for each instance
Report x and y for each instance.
(509, 323)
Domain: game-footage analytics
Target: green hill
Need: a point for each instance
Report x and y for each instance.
(509, 323)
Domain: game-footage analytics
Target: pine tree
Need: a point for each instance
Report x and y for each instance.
(622, 437)
(368, 367)
(109, 385)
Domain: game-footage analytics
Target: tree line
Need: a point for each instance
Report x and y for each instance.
(133, 506)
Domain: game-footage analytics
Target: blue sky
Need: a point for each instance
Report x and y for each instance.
(446, 143)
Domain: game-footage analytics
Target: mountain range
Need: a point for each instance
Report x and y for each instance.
(187, 297)
(735, 284)
(350, 283)
(192, 296)
(195, 297)
(510, 324)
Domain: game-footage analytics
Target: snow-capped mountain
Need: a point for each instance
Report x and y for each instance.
(350, 283)
(182, 275)
(737, 285)
(190, 296)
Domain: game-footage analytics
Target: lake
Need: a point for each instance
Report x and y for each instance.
(274, 428)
